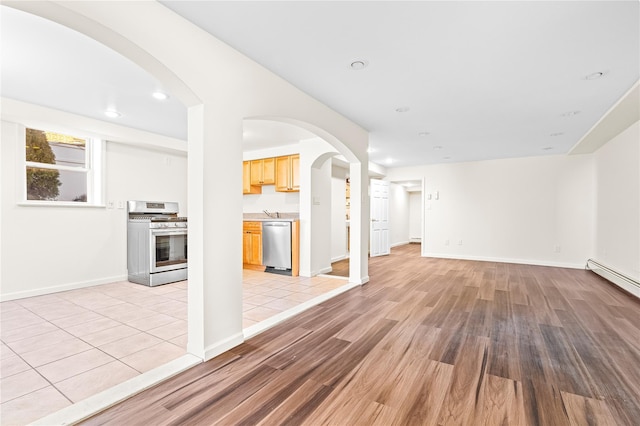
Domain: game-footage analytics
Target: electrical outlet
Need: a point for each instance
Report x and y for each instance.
(121, 205)
(446, 242)
(459, 242)
(556, 248)
(110, 204)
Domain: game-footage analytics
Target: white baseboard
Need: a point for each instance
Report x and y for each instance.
(94, 404)
(57, 289)
(339, 258)
(507, 260)
(401, 243)
(361, 281)
(325, 270)
(616, 279)
(282, 316)
(415, 240)
(217, 348)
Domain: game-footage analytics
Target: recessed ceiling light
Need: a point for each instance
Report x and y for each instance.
(446, 158)
(547, 148)
(569, 113)
(402, 109)
(437, 147)
(359, 64)
(112, 113)
(594, 75)
(370, 150)
(556, 134)
(161, 96)
(423, 134)
(389, 160)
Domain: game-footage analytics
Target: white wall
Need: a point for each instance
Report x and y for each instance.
(315, 206)
(271, 200)
(338, 213)
(512, 210)
(415, 217)
(617, 236)
(398, 215)
(47, 249)
(321, 218)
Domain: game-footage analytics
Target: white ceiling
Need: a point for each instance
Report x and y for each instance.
(47, 64)
(484, 79)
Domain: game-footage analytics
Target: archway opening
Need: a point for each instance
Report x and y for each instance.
(267, 137)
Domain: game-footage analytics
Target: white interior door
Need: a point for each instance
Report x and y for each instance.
(380, 244)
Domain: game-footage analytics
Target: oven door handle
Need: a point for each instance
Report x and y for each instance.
(164, 232)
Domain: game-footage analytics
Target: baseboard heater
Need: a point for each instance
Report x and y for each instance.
(621, 280)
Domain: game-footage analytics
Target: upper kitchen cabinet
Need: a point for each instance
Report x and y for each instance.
(263, 171)
(247, 187)
(288, 173)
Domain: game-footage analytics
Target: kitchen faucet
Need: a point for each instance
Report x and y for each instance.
(271, 214)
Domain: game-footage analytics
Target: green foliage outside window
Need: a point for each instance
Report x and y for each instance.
(42, 184)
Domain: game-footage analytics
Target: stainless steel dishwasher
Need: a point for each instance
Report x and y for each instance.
(276, 247)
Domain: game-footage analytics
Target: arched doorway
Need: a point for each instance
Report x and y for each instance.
(317, 155)
(220, 87)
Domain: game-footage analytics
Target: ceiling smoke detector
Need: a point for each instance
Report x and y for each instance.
(359, 65)
(402, 109)
(547, 148)
(437, 147)
(112, 113)
(594, 75)
(423, 134)
(556, 134)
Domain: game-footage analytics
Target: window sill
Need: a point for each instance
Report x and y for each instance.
(59, 204)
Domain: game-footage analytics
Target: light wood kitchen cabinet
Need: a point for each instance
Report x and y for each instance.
(247, 187)
(288, 173)
(263, 171)
(252, 243)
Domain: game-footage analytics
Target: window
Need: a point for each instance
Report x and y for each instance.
(61, 168)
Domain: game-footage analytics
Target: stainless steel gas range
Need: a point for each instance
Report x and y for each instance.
(156, 243)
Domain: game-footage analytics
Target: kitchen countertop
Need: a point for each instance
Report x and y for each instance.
(270, 219)
(261, 217)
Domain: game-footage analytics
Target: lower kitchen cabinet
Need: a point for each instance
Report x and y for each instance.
(252, 243)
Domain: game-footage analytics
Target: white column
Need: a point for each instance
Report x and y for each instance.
(359, 244)
(215, 224)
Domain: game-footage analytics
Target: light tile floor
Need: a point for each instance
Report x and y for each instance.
(58, 349)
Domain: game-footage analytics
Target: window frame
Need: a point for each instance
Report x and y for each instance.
(93, 169)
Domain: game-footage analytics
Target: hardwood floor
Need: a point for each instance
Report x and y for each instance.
(427, 341)
(340, 268)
